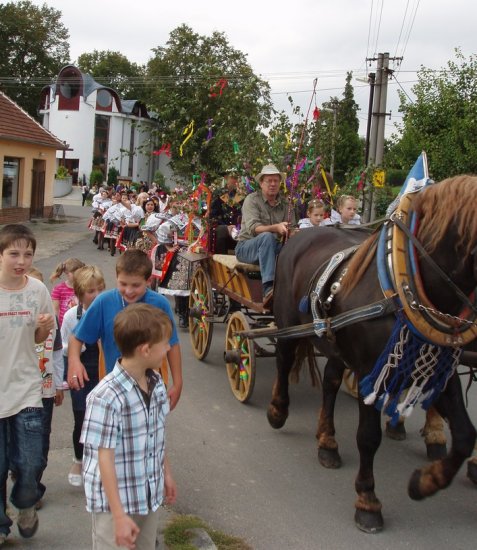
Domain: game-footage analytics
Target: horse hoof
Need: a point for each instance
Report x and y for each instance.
(436, 451)
(276, 420)
(329, 458)
(413, 489)
(472, 471)
(398, 432)
(369, 522)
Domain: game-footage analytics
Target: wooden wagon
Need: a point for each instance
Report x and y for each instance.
(226, 290)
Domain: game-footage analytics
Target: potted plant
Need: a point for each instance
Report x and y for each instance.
(63, 182)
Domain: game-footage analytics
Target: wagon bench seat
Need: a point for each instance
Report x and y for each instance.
(230, 261)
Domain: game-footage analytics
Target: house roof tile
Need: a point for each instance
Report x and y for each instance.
(17, 125)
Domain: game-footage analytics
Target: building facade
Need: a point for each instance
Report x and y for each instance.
(27, 164)
(101, 129)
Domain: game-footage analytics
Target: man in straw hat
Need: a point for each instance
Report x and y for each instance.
(264, 224)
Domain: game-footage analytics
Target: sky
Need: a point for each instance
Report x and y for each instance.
(289, 44)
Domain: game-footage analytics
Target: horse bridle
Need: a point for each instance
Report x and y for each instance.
(425, 256)
(440, 328)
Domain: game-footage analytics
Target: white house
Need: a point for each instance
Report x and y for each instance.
(100, 128)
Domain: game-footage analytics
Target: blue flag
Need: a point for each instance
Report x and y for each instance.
(417, 178)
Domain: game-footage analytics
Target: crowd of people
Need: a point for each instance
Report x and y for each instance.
(104, 346)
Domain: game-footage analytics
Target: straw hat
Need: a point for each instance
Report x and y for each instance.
(268, 170)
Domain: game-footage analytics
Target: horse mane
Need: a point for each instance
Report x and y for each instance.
(359, 263)
(452, 201)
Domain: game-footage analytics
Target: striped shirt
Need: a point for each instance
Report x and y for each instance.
(117, 417)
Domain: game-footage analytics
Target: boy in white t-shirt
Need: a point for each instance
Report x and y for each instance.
(26, 319)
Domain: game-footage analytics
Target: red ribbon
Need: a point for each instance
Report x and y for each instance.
(166, 149)
(221, 84)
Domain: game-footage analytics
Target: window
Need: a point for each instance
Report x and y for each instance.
(101, 136)
(11, 176)
(104, 99)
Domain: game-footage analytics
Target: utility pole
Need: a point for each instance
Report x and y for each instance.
(375, 144)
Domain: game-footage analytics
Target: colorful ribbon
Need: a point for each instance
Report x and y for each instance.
(220, 84)
(188, 131)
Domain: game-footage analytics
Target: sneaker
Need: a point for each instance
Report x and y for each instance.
(74, 477)
(27, 522)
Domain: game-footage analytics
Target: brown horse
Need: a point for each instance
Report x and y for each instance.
(447, 230)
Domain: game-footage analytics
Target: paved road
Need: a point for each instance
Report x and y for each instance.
(241, 476)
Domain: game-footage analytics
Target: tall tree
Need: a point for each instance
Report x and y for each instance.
(34, 46)
(442, 119)
(205, 81)
(348, 146)
(115, 70)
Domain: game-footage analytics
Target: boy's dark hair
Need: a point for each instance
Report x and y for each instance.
(139, 324)
(13, 232)
(134, 262)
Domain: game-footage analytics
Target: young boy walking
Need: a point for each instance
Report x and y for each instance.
(125, 469)
(26, 319)
(133, 270)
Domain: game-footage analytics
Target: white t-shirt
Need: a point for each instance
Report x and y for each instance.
(20, 378)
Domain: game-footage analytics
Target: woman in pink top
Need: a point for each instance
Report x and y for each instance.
(63, 295)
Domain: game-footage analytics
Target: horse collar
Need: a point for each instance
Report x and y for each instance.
(404, 278)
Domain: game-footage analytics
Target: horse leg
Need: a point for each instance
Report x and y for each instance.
(440, 473)
(277, 413)
(328, 454)
(472, 469)
(434, 435)
(397, 432)
(368, 515)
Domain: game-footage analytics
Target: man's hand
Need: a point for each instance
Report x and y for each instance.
(126, 532)
(281, 228)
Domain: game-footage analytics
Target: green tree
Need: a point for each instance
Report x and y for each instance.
(113, 69)
(183, 77)
(348, 145)
(34, 46)
(442, 120)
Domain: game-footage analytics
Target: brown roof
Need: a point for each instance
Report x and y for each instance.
(17, 125)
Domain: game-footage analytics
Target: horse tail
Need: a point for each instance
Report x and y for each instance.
(359, 263)
(305, 351)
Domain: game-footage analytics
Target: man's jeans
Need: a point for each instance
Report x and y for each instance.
(21, 443)
(262, 250)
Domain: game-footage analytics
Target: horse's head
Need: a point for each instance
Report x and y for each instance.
(447, 228)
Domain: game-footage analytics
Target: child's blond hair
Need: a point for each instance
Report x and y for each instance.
(85, 277)
(342, 199)
(314, 203)
(68, 266)
(35, 273)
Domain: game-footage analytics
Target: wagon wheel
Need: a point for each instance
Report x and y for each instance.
(239, 357)
(351, 383)
(200, 306)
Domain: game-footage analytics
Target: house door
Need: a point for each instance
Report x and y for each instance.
(37, 189)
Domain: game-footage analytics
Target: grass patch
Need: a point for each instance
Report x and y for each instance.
(177, 538)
